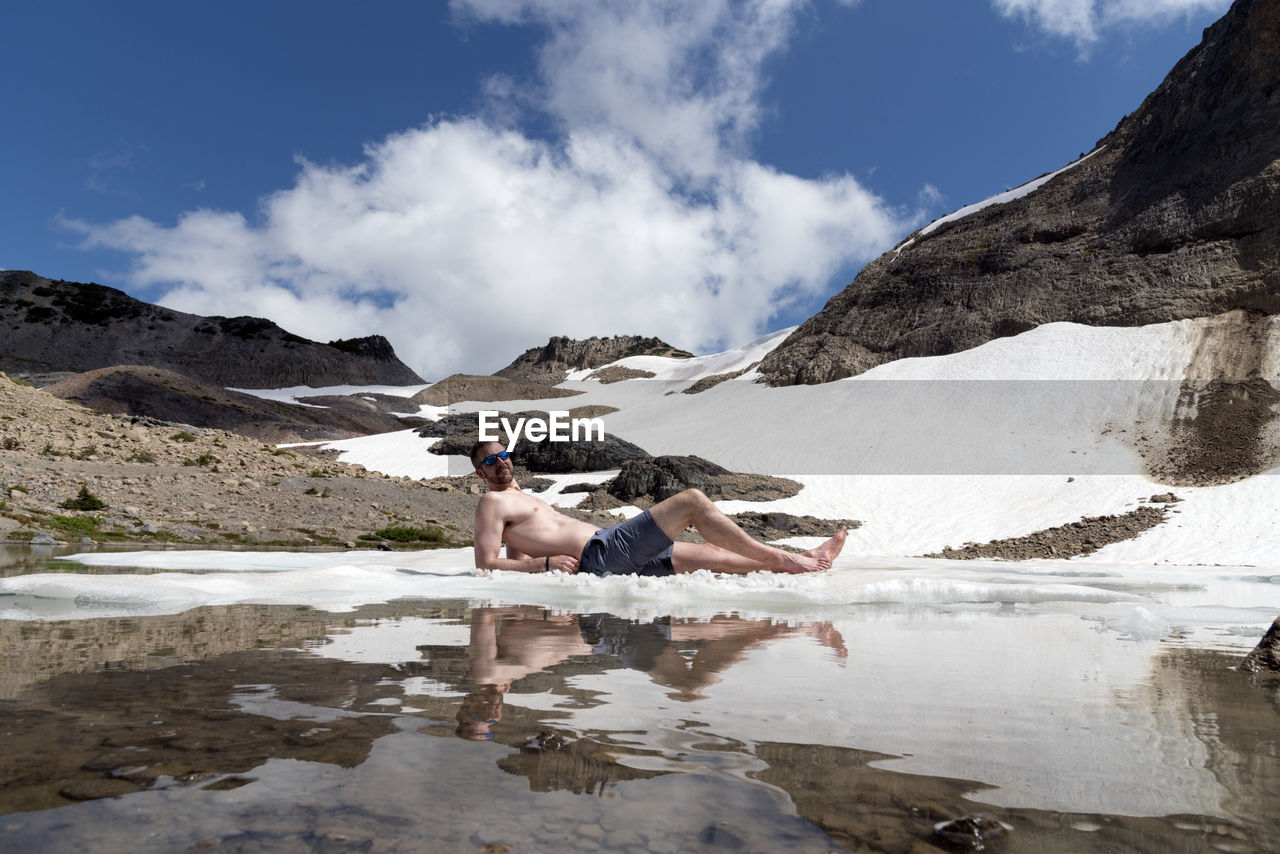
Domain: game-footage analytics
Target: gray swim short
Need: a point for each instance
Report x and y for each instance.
(635, 547)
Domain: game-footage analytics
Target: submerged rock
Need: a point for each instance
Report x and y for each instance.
(547, 740)
(718, 835)
(973, 831)
(92, 790)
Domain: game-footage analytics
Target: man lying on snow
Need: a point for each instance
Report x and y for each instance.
(540, 539)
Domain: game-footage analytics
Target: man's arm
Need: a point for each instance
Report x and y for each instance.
(489, 524)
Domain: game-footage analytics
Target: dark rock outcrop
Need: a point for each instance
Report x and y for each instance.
(714, 380)
(1221, 425)
(564, 457)
(1225, 439)
(775, 525)
(1065, 541)
(1176, 215)
(650, 480)
(598, 498)
(551, 363)
(1265, 657)
(618, 373)
(458, 432)
(53, 326)
(168, 396)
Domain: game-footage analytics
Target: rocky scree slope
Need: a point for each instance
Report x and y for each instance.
(165, 395)
(460, 387)
(1175, 215)
(53, 327)
(169, 482)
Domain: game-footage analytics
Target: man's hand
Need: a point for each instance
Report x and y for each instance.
(563, 563)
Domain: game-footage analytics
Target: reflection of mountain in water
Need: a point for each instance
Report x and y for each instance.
(111, 706)
(877, 809)
(96, 734)
(220, 720)
(36, 650)
(1235, 719)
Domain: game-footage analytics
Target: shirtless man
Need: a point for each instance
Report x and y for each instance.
(540, 539)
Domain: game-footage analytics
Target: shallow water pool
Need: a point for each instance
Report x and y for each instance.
(1081, 722)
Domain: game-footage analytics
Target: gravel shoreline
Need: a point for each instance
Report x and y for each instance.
(171, 483)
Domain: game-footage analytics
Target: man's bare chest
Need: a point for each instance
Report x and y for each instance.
(526, 511)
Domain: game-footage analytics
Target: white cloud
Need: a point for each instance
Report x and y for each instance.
(106, 167)
(466, 241)
(1085, 21)
(930, 198)
(679, 78)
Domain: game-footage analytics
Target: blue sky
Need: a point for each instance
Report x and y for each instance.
(470, 178)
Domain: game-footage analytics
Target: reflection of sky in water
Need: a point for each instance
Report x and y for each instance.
(1008, 697)
(1014, 702)
(1025, 688)
(390, 641)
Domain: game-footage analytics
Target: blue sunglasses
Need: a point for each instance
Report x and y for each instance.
(493, 458)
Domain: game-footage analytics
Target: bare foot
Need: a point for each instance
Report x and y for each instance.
(831, 548)
(794, 563)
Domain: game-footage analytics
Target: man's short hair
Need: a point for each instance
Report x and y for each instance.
(475, 449)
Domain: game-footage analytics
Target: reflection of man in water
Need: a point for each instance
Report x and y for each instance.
(540, 539)
(655, 647)
(527, 641)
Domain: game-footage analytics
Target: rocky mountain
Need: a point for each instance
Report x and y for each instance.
(1174, 215)
(53, 327)
(456, 387)
(551, 363)
(157, 393)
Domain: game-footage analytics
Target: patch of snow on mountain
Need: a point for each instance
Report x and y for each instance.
(1006, 196)
(666, 368)
(292, 393)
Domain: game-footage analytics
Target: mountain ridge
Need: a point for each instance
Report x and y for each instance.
(140, 390)
(58, 327)
(1175, 216)
(552, 362)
